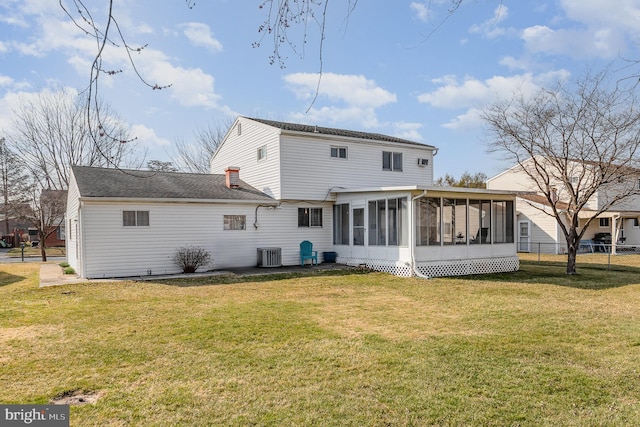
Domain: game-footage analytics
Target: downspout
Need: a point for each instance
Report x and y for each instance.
(412, 243)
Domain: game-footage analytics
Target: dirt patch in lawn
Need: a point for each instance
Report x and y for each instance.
(76, 397)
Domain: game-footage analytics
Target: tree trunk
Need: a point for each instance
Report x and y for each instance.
(43, 250)
(572, 250)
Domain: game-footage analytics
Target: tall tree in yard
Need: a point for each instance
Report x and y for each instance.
(51, 132)
(12, 179)
(573, 143)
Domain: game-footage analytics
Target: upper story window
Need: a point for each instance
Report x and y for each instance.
(339, 152)
(135, 218)
(262, 152)
(309, 217)
(391, 161)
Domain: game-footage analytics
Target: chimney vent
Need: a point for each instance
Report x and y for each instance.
(233, 177)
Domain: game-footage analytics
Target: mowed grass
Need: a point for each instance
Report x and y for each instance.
(529, 348)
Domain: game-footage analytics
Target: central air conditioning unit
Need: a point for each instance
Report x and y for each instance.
(269, 257)
(423, 162)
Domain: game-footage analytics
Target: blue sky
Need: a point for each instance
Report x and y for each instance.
(386, 67)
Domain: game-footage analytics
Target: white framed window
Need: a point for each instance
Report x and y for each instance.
(391, 161)
(235, 222)
(338, 152)
(309, 217)
(262, 152)
(60, 232)
(636, 223)
(604, 223)
(135, 218)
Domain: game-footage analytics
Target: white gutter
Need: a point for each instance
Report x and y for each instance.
(176, 200)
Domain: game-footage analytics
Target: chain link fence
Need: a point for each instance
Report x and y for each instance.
(594, 254)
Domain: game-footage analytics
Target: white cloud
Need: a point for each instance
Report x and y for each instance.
(407, 130)
(355, 90)
(356, 97)
(490, 28)
(623, 15)
(604, 43)
(200, 35)
(421, 10)
(471, 94)
(147, 137)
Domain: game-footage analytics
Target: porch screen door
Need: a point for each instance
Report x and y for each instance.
(358, 226)
(524, 236)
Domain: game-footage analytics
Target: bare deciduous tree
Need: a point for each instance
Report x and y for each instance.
(196, 157)
(50, 131)
(12, 179)
(573, 144)
(43, 210)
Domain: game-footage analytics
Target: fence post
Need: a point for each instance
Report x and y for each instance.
(609, 260)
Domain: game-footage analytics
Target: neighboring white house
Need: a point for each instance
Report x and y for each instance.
(539, 231)
(368, 198)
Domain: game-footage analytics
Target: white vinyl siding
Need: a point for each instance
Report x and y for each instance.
(115, 251)
(240, 150)
(308, 173)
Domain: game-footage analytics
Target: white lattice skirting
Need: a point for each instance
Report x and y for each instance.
(458, 267)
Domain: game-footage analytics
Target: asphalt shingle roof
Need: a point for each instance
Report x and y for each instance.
(295, 127)
(123, 183)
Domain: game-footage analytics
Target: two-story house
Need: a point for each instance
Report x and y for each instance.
(368, 198)
(615, 228)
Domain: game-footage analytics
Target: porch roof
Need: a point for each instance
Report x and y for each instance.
(428, 189)
(588, 213)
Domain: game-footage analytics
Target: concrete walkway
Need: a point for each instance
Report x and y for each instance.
(51, 274)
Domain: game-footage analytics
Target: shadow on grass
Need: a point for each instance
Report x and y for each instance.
(588, 276)
(8, 279)
(224, 279)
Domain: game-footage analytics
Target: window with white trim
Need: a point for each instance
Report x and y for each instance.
(235, 222)
(135, 218)
(60, 232)
(636, 223)
(604, 222)
(262, 152)
(391, 161)
(309, 217)
(338, 152)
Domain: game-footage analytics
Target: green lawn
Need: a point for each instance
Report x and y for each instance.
(529, 348)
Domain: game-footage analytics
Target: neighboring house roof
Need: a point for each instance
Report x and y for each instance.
(311, 129)
(542, 200)
(137, 184)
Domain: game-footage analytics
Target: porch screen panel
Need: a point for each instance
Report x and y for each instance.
(503, 222)
(397, 214)
(428, 221)
(358, 226)
(341, 224)
(485, 221)
(448, 221)
(377, 222)
(460, 226)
